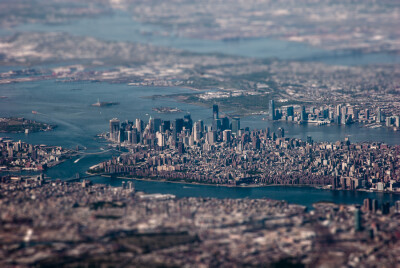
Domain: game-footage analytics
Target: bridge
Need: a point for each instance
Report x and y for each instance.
(78, 177)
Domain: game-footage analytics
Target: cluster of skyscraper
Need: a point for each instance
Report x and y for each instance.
(339, 114)
(180, 132)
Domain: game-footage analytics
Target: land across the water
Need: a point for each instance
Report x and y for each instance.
(164, 110)
(183, 182)
(79, 125)
(19, 125)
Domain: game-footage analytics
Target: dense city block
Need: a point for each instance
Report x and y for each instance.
(226, 154)
(17, 156)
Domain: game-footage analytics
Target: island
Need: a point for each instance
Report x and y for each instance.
(225, 154)
(104, 103)
(20, 125)
(166, 110)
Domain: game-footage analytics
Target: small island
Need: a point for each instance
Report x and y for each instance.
(20, 125)
(104, 103)
(165, 110)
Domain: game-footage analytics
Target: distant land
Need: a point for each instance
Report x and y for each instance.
(19, 125)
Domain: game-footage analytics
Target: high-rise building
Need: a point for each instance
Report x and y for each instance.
(114, 129)
(366, 113)
(226, 137)
(378, 115)
(121, 135)
(290, 111)
(181, 148)
(188, 122)
(272, 110)
(225, 123)
(385, 208)
(178, 126)
(212, 137)
(388, 122)
(150, 125)
(217, 124)
(128, 135)
(397, 121)
(166, 125)
(156, 124)
(338, 110)
(139, 125)
(131, 186)
(397, 206)
(160, 139)
(374, 205)
(135, 136)
(215, 112)
(267, 133)
(367, 204)
(303, 115)
(235, 124)
(197, 131)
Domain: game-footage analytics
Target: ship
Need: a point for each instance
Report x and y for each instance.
(104, 103)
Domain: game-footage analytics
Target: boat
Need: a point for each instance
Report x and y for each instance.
(34, 112)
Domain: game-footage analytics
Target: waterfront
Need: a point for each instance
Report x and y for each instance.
(68, 105)
(79, 123)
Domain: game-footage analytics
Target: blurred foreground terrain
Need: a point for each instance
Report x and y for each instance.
(78, 224)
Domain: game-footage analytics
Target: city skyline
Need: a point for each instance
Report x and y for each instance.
(182, 133)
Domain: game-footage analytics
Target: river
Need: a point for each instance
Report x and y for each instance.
(68, 105)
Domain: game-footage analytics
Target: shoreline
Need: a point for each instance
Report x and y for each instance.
(248, 186)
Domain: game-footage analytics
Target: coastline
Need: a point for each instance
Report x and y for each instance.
(249, 186)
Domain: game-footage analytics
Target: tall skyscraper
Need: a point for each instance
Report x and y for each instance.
(212, 137)
(235, 124)
(225, 123)
(378, 115)
(188, 122)
(272, 110)
(114, 129)
(290, 111)
(367, 204)
(156, 124)
(215, 112)
(166, 125)
(303, 115)
(139, 125)
(178, 126)
(227, 135)
(135, 136)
